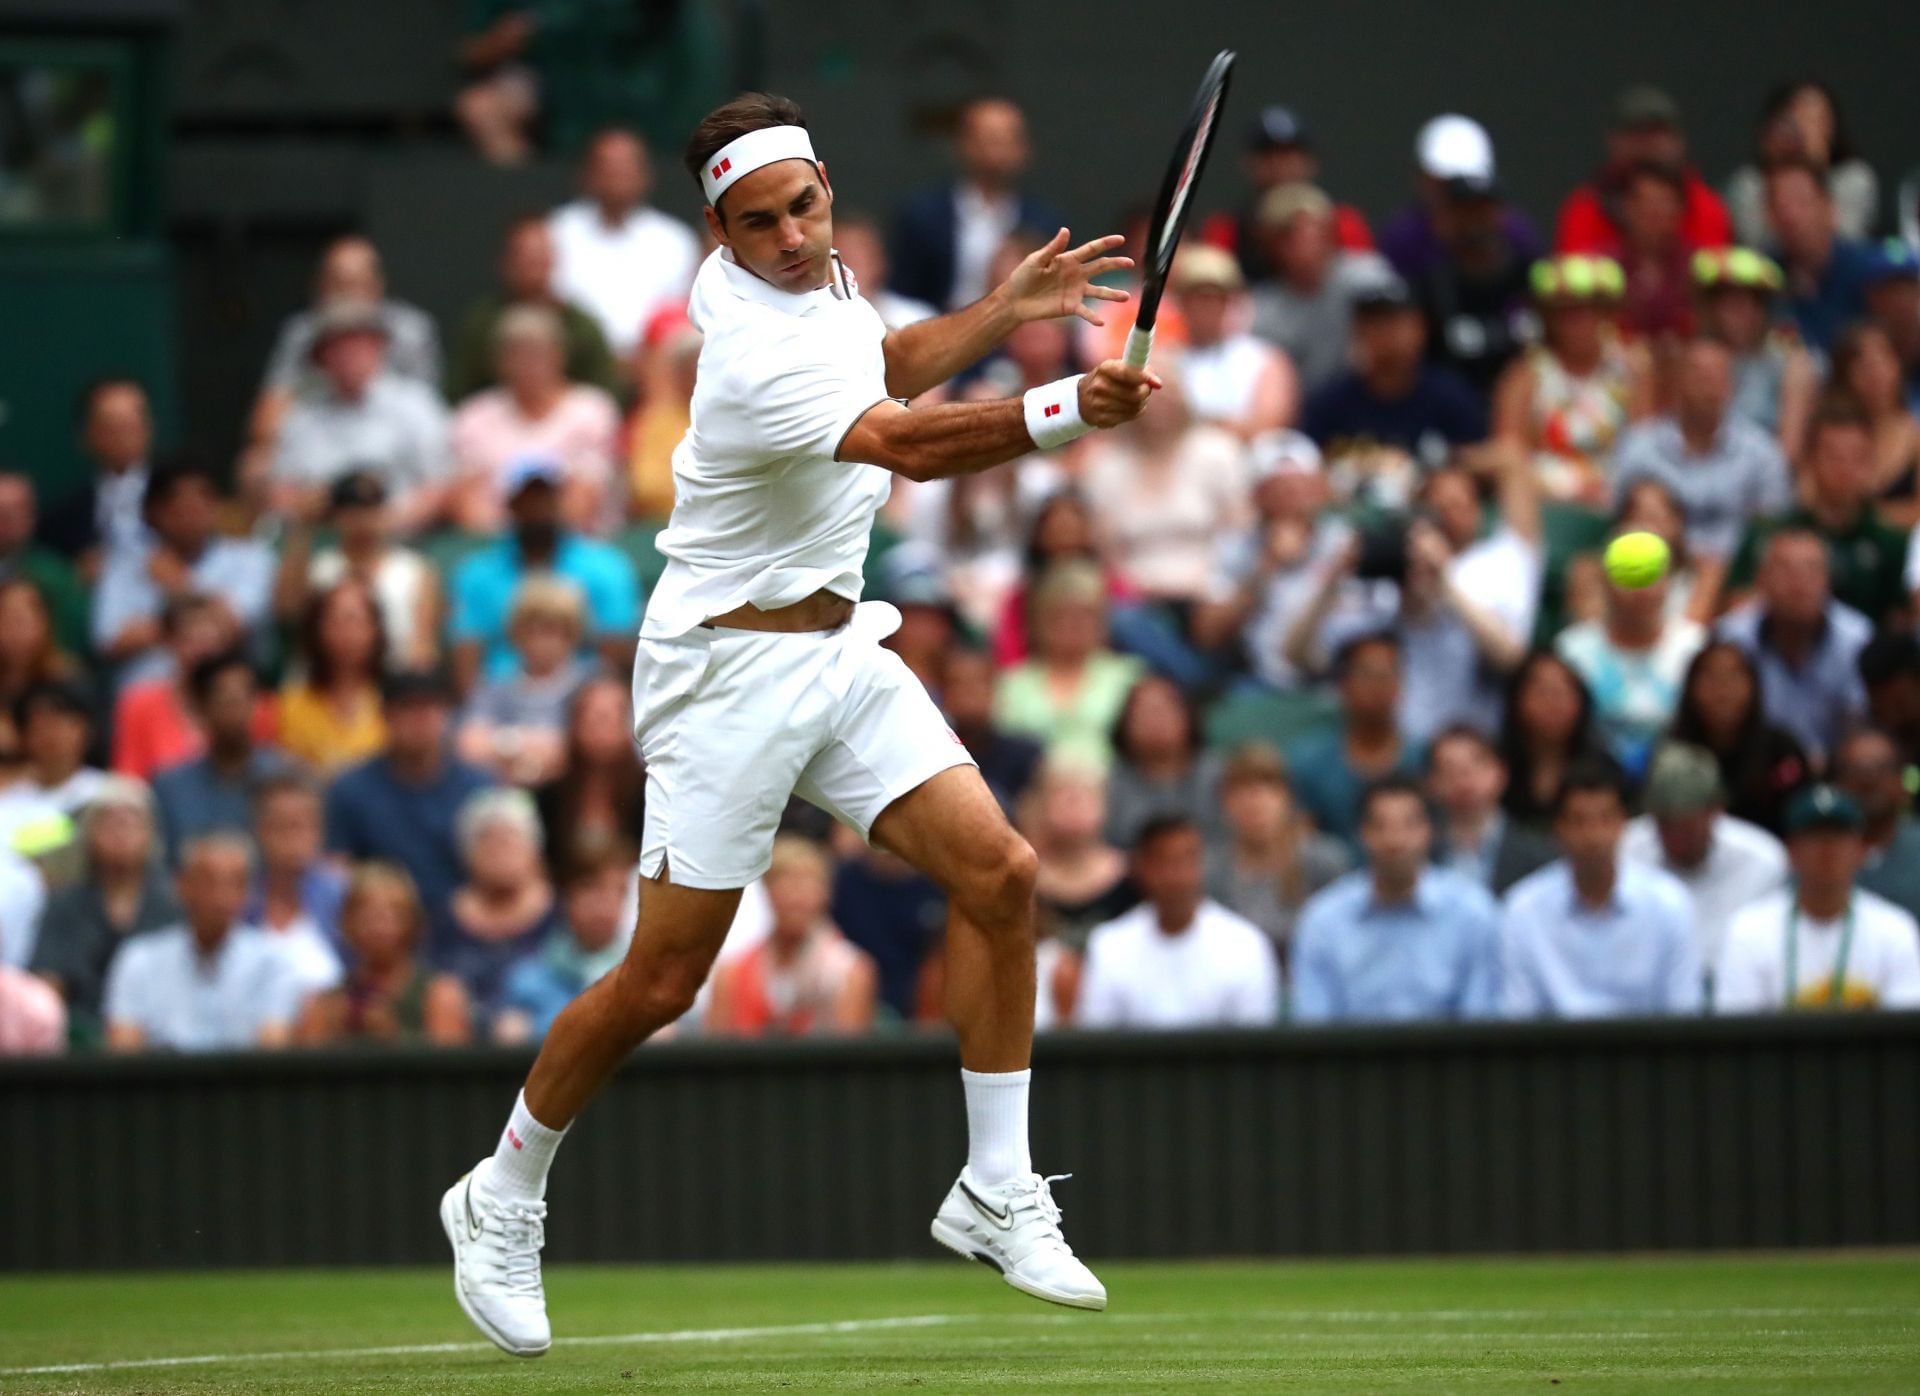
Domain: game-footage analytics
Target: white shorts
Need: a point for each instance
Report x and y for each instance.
(734, 722)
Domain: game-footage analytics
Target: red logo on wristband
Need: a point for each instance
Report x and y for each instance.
(1053, 410)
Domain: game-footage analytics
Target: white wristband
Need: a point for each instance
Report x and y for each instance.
(1053, 413)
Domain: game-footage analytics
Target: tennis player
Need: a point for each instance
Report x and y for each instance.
(760, 674)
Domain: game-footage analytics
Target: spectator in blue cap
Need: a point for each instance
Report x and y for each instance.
(1279, 150)
(1893, 302)
(485, 584)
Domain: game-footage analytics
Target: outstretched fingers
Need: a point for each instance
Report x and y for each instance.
(1088, 251)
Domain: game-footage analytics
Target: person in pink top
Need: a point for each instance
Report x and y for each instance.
(535, 412)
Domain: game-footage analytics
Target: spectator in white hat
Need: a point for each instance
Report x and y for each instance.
(1229, 377)
(1453, 155)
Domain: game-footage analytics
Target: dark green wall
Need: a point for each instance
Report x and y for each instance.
(1501, 1138)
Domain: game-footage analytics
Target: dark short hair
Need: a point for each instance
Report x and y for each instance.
(750, 111)
(1388, 787)
(288, 782)
(210, 670)
(1461, 732)
(1838, 413)
(1797, 164)
(1588, 775)
(1344, 656)
(1659, 171)
(1162, 826)
(1196, 724)
(171, 474)
(1892, 654)
(61, 695)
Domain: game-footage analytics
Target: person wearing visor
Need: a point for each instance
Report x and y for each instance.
(1564, 404)
(1775, 379)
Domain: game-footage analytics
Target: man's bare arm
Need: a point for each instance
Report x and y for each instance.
(960, 438)
(1051, 283)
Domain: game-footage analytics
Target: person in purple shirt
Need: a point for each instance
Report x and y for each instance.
(1453, 154)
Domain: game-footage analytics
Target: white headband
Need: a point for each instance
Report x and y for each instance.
(739, 158)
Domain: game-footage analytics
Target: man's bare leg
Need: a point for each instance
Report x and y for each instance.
(999, 1210)
(952, 829)
(678, 934)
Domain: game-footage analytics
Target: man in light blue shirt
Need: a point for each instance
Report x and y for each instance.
(1591, 936)
(484, 585)
(1399, 939)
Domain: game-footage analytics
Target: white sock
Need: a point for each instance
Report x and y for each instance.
(523, 1156)
(997, 1125)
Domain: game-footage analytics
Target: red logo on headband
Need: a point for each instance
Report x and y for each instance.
(1053, 410)
(722, 168)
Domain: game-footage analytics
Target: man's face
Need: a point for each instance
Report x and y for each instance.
(966, 690)
(1281, 164)
(535, 509)
(1827, 859)
(1686, 838)
(1257, 808)
(1842, 464)
(16, 512)
(185, 519)
(416, 728)
(860, 248)
(55, 740)
(1302, 248)
(992, 144)
(229, 706)
(213, 890)
(593, 908)
(1170, 872)
(1205, 309)
(1706, 382)
(798, 897)
(1455, 505)
(1800, 212)
(1736, 316)
(1370, 683)
(526, 265)
(351, 272)
(1868, 768)
(1662, 145)
(616, 174)
(1651, 211)
(288, 830)
(1467, 779)
(1388, 341)
(1469, 224)
(1589, 826)
(1397, 836)
(352, 361)
(531, 362)
(119, 838)
(119, 430)
(1793, 578)
(1894, 304)
(778, 221)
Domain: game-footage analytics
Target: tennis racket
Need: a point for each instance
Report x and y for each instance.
(1176, 198)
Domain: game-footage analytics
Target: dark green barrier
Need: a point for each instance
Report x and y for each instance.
(1497, 1138)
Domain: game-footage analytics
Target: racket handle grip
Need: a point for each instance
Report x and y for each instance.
(1139, 346)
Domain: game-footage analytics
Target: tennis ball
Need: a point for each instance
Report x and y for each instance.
(1636, 560)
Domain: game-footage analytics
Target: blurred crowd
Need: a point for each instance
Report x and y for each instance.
(1307, 687)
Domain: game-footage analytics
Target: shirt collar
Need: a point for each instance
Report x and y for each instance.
(748, 287)
(1616, 900)
(1426, 899)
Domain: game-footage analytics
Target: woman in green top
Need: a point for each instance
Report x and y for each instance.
(1070, 690)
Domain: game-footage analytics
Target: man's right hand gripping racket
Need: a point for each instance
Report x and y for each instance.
(1176, 197)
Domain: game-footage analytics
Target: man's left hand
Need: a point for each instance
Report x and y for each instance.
(1055, 282)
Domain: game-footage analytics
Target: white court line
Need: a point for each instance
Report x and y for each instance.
(684, 1335)
(869, 1325)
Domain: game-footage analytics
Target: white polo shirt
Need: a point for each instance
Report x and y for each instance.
(621, 275)
(1218, 972)
(178, 998)
(1743, 863)
(1882, 968)
(762, 512)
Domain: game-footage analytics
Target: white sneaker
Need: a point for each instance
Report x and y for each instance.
(496, 1263)
(1015, 1228)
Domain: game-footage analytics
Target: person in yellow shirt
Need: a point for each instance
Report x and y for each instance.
(330, 714)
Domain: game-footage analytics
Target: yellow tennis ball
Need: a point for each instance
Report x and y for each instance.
(1636, 560)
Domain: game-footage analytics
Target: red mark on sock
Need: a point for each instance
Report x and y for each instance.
(513, 1138)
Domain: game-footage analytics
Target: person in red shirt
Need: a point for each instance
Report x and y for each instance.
(1646, 129)
(1279, 151)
